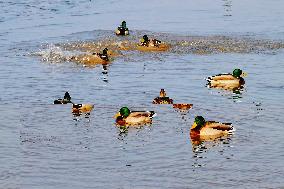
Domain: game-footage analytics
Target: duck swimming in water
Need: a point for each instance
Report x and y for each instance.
(66, 99)
(78, 109)
(162, 99)
(208, 130)
(227, 81)
(122, 29)
(125, 117)
(95, 58)
(147, 44)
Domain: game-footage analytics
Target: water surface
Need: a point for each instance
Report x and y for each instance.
(42, 146)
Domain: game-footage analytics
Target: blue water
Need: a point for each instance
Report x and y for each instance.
(41, 144)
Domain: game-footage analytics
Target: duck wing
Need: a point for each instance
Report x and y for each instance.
(219, 126)
(221, 77)
(162, 100)
(142, 114)
(137, 120)
(226, 84)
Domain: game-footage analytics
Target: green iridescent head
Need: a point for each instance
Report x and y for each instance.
(237, 73)
(123, 24)
(200, 121)
(124, 112)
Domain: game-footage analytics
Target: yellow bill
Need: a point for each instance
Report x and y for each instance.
(117, 115)
(194, 125)
(244, 74)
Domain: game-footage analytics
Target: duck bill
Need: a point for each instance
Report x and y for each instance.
(194, 125)
(110, 53)
(244, 74)
(117, 114)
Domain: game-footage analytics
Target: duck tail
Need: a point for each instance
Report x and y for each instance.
(152, 114)
(59, 101)
(209, 79)
(232, 130)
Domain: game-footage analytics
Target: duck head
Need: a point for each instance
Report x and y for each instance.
(67, 96)
(145, 38)
(66, 99)
(105, 51)
(237, 73)
(124, 112)
(123, 24)
(163, 93)
(199, 122)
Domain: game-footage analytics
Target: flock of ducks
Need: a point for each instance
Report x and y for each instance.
(200, 130)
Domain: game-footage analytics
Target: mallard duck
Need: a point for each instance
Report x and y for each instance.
(206, 130)
(78, 109)
(122, 29)
(66, 99)
(95, 58)
(147, 44)
(227, 81)
(162, 99)
(133, 118)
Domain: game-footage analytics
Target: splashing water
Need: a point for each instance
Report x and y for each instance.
(52, 53)
(200, 45)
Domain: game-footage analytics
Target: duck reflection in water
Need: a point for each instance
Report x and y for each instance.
(105, 72)
(200, 147)
(235, 95)
(123, 130)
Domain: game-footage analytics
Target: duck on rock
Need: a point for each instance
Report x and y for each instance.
(227, 81)
(208, 130)
(122, 29)
(125, 117)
